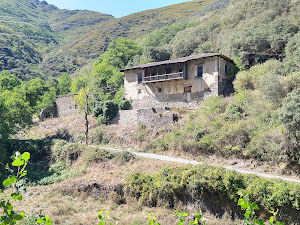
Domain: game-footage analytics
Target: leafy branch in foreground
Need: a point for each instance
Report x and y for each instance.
(103, 219)
(250, 208)
(10, 217)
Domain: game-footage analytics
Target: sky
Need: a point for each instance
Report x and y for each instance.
(117, 8)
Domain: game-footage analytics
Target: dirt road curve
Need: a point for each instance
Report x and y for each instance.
(184, 161)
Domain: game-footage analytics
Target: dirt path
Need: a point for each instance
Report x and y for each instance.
(184, 161)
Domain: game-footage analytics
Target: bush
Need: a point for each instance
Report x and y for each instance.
(290, 117)
(291, 82)
(290, 113)
(98, 136)
(120, 100)
(234, 112)
(96, 155)
(125, 157)
(181, 184)
(249, 80)
(106, 110)
(271, 87)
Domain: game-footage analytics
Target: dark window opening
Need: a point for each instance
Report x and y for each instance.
(226, 69)
(140, 78)
(200, 71)
(168, 70)
(159, 90)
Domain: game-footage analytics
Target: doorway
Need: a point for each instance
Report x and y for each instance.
(188, 94)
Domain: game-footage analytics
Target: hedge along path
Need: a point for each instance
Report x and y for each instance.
(191, 162)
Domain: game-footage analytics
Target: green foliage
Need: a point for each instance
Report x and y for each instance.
(10, 217)
(234, 112)
(250, 208)
(15, 113)
(77, 84)
(250, 79)
(106, 75)
(8, 81)
(119, 99)
(197, 221)
(103, 219)
(172, 183)
(120, 52)
(38, 94)
(106, 110)
(290, 117)
(64, 84)
(152, 219)
(271, 87)
(290, 113)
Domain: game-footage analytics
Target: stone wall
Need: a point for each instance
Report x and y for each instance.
(155, 118)
(66, 106)
(48, 112)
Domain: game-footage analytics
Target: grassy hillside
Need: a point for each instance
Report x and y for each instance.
(91, 45)
(30, 28)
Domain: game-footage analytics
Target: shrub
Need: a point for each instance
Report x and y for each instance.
(290, 113)
(290, 117)
(106, 110)
(250, 79)
(96, 155)
(291, 82)
(175, 184)
(125, 157)
(98, 136)
(271, 87)
(120, 100)
(234, 112)
(141, 133)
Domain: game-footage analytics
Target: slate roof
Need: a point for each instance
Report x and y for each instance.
(179, 60)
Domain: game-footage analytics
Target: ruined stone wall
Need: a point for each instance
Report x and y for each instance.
(155, 118)
(66, 106)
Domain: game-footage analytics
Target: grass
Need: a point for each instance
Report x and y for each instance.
(66, 203)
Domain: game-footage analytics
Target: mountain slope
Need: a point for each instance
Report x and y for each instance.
(90, 45)
(30, 28)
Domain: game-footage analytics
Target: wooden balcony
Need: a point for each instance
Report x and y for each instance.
(163, 77)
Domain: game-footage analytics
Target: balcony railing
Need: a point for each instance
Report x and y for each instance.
(163, 77)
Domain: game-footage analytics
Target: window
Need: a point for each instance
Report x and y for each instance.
(200, 71)
(159, 90)
(188, 89)
(226, 69)
(140, 78)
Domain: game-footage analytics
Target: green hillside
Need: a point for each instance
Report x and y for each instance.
(91, 45)
(31, 28)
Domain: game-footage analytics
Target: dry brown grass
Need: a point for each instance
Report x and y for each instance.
(49, 127)
(74, 202)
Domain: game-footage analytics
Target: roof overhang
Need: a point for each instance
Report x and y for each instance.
(179, 60)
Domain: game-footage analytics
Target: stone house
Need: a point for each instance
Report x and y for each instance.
(185, 79)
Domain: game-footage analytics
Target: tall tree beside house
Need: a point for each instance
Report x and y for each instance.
(107, 68)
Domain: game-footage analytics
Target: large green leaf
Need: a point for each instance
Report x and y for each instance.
(17, 196)
(26, 156)
(18, 162)
(9, 181)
